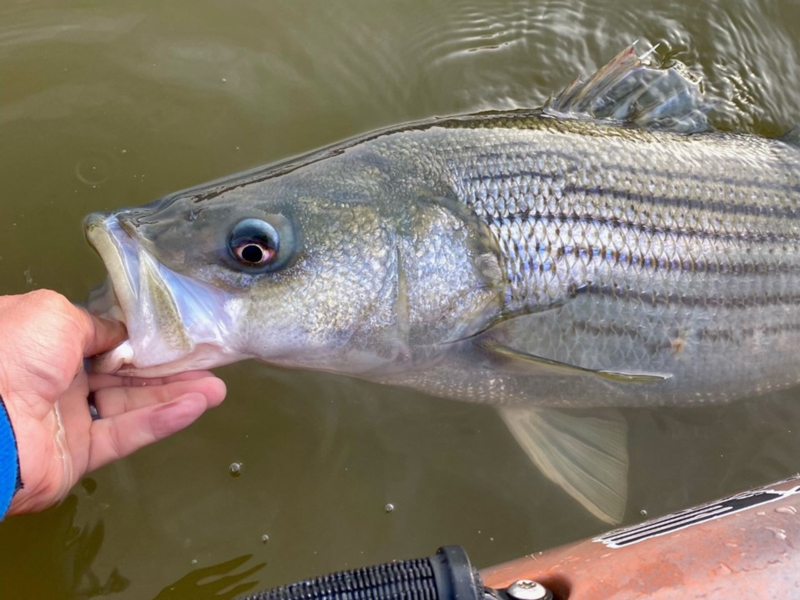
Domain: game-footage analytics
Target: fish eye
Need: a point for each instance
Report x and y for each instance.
(254, 243)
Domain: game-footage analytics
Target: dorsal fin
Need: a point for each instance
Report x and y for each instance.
(635, 90)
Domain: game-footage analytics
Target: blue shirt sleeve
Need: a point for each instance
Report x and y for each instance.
(9, 461)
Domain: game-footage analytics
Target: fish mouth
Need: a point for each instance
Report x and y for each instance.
(174, 323)
(117, 296)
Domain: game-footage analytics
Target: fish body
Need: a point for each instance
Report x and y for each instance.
(633, 251)
(608, 249)
(417, 252)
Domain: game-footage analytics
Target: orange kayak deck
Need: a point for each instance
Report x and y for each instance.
(743, 546)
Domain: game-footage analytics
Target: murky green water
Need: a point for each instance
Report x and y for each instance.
(110, 104)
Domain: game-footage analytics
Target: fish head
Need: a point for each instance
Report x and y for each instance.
(203, 284)
(298, 272)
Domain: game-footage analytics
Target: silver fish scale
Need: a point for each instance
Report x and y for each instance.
(571, 210)
(657, 252)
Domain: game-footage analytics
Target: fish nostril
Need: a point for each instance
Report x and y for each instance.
(130, 219)
(136, 217)
(128, 224)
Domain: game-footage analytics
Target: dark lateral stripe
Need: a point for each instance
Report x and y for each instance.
(655, 299)
(539, 256)
(718, 206)
(549, 262)
(614, 222)
(732, 334)
(695, 204)
(615, 329)
(573, 164)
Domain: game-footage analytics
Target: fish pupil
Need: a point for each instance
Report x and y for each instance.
(253, 243)
(252, 254)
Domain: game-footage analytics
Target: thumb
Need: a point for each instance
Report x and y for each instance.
(99, 335)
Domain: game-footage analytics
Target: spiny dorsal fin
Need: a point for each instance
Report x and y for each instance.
(632, 89)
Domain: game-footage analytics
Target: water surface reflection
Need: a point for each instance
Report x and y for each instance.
(105, 105)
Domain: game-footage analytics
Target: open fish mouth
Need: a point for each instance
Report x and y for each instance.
(117, 296)
(174, 323)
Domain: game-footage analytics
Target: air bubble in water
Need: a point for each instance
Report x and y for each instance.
(95, 167)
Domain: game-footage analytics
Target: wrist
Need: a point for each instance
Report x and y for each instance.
(10, 481)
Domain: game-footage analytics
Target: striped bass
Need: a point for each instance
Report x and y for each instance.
(609, 249)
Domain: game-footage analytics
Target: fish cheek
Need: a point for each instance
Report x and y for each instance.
(455, 281)
(333, 299)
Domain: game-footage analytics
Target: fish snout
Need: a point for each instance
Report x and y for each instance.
(94, 220)
(129, 220)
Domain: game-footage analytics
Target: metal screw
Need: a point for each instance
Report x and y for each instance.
(526, 589)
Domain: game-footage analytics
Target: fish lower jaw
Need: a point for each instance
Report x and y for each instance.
(122, 361)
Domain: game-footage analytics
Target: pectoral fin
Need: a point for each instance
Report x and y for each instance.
(792, 137)
(539, 361)
(586, 456)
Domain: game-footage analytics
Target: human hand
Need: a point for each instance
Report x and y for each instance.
(43, 341)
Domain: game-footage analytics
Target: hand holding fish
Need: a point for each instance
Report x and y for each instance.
(43, 342)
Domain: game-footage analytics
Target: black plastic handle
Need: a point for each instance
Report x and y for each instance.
(447, 575)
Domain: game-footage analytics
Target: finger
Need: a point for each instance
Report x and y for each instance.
(99, 335)
(120, 436)
(99, 381)
(113, 401)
